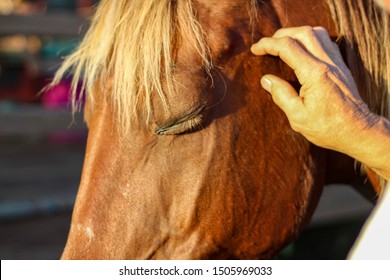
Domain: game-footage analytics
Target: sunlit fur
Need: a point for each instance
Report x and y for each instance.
(130, 45)
(364, 30)
(243, 185)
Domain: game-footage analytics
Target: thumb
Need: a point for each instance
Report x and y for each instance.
(283, 94)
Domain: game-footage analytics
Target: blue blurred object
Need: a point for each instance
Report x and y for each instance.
(61, 5)
(52, 48)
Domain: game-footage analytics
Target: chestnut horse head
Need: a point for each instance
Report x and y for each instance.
(187, 157)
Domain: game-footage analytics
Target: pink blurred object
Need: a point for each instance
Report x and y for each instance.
(57, 97)
(68, 137)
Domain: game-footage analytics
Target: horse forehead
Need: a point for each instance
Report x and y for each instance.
(306, 12)
(225, 26)
(271, 15)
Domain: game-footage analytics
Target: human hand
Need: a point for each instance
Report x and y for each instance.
(328, 110)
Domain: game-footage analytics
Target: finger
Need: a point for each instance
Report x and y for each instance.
(283, 94)
(316, 40)
(291, 52)
(331, 48)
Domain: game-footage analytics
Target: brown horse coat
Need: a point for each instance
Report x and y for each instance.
(241, 184)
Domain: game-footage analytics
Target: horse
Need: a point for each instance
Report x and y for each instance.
(187, 157)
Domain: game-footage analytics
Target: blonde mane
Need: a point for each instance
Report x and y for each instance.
(130, 46)
(364, 32)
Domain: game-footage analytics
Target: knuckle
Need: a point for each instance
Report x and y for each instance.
(308, 32)
(320, 29)
(323, 69)
(278, 32)
(262, 40)
(288, 42)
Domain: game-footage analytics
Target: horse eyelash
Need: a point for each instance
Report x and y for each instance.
(183, 125)
(179, 128)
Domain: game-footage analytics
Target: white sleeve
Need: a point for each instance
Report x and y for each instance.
(373, 242)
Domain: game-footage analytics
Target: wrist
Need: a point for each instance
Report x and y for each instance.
(371, 144)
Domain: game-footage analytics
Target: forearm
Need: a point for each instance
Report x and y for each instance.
(371, 146)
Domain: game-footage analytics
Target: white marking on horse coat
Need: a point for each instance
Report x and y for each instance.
(85, 230)
(89, 233)
(126, 192)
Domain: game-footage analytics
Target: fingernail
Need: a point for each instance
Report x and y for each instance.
(266, 84)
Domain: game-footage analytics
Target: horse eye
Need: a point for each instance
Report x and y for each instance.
(187, 123)
(187, 126)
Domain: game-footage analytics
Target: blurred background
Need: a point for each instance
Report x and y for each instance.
(42, 146)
